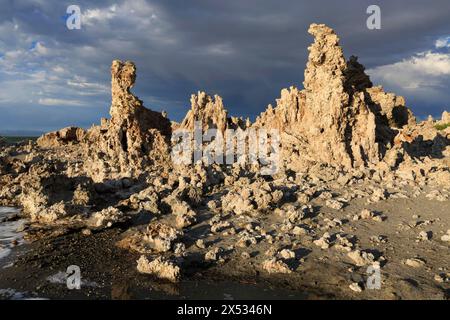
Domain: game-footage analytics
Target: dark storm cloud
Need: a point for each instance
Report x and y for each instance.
(245, 51)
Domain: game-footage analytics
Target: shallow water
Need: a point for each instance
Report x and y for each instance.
(9, 237)
(184, 290)
(230, 290)
(11, 294)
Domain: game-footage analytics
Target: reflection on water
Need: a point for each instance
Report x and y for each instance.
(228, 290)
(11, 294)
(202, 290)
(9, 237)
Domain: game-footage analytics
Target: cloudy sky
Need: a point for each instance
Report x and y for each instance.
(245, 51)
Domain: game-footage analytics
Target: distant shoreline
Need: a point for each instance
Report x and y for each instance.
(16, 139)
(20, 133)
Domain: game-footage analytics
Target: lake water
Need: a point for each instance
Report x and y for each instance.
(9, 237)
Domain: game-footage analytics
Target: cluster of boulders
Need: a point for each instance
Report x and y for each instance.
(69, 135)
(341, 139)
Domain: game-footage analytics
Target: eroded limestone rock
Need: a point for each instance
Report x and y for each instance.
(157, 237)
(339, 118)
(159, 267)
(361, 258)
(105, 218)
(209, 111)
(134, 138)
(390, 108)
(69, 135)
(339, 126)
(445, 117)
(275, 265)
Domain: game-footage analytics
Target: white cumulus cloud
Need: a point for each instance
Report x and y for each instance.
(59, 102)
(427, 69)
(443, 43)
